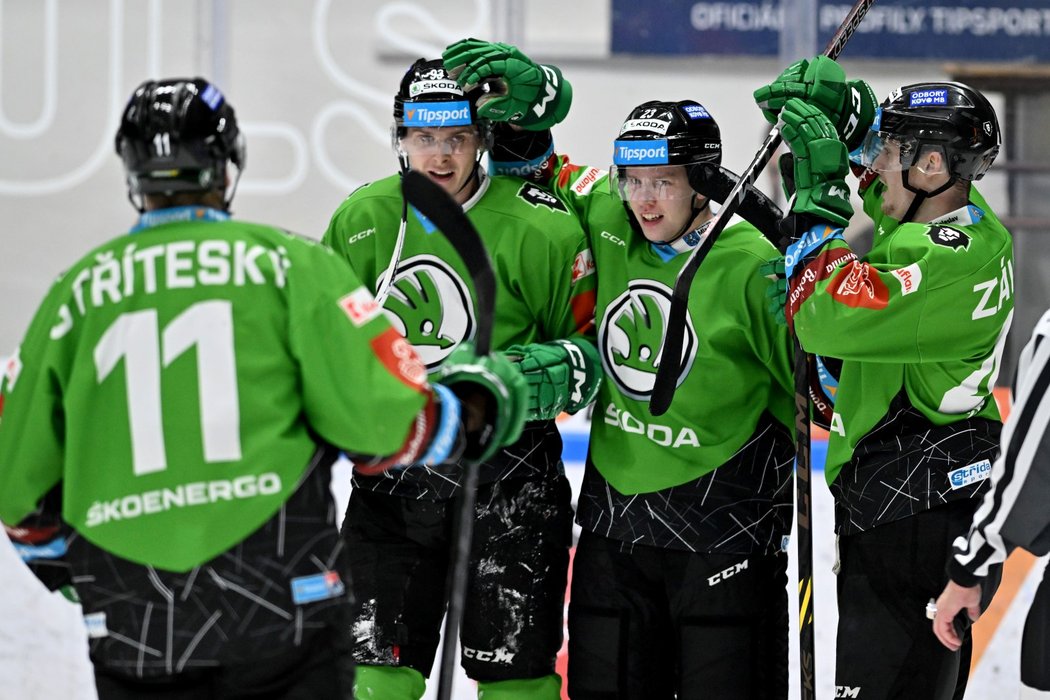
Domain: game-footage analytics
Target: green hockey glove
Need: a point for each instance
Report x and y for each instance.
(494, 397)
(820, 161)
(517, 90)
(776, 292)
(563, 375)
(849, 104)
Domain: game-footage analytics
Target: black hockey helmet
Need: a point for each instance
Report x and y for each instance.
(177, 135)
(429, 96)
(675, 133)
(950, 117)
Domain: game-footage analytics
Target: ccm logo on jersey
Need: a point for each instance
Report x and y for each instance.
(360, 235)
(846, 691)
(910, 278)
(582, 266)
(970, 474)
(360, 306)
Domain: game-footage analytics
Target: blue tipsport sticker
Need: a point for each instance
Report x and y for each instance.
(924, 98)
(310, 589)
(652, 152)
(52, 550)
(828, 383)
(212, 97)
(437, 113)
(96, 625)
(970, 474)
(696, 112)
(814, 239)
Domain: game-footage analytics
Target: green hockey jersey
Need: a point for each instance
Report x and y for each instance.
(713, 473)
(919, 324)
(736, 360)
(544, 291)
(174, 381)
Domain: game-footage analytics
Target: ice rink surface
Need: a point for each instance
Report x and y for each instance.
(43, 645)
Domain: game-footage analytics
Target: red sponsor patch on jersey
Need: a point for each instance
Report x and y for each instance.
(360, 306)
(583, 310)
(582, 266)
(566, 174)
(400, 358)
(858, 285)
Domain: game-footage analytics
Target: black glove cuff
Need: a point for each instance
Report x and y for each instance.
(516, 145)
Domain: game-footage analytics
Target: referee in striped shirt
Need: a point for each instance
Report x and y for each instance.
(1015, 513)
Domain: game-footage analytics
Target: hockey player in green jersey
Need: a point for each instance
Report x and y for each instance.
(678, 586)
(919, 325)
(397, 526)
(169, 424)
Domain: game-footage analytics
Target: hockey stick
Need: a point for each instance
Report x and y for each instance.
(804, 523)
(435, 204)
(671, 356)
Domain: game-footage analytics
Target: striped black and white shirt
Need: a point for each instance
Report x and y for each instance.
(1014, 512)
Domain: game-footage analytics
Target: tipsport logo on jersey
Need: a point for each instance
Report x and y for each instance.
(431, 306)
(631, 337)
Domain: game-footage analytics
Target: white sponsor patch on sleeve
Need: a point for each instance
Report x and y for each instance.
(910, 278)
(585, 182)
(360, 306)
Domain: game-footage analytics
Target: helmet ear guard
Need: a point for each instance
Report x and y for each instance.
(178, 135)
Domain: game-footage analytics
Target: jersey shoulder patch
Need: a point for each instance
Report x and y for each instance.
(539, 197)
(948, 237)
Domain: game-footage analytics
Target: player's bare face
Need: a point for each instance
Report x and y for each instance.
(447, 155)
(897, 198)
(660, 198)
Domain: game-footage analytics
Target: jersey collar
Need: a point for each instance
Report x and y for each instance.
(682, 244)
(964, 216)
(159, 217)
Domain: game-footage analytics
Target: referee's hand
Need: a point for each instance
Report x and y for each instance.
(954, 599)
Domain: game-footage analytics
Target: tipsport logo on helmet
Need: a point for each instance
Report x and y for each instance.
(437, 114)
(924, 98)
(631, 336)
(651, 152)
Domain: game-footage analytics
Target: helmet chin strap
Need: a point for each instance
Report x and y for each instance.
(920, 195)
(695, 212)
